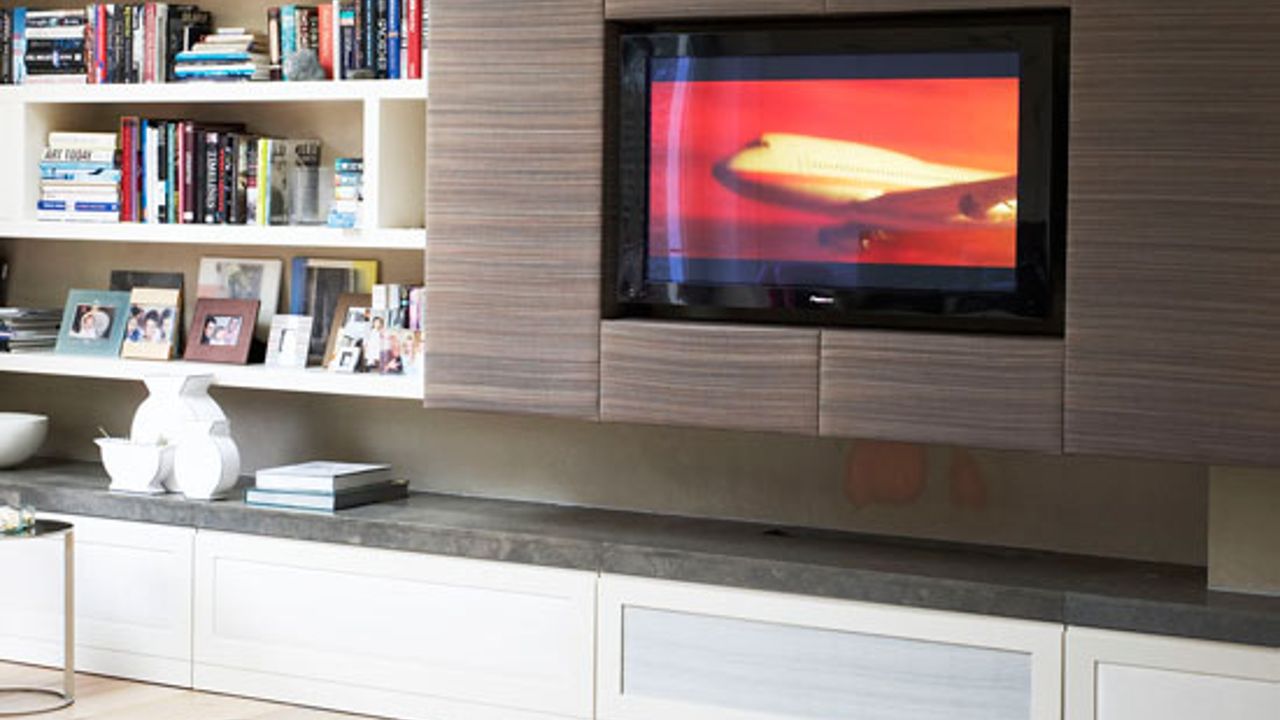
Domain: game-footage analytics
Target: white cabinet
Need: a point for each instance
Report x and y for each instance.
(133, 600)
(392, 633)
(689, 652)
(1127, 676)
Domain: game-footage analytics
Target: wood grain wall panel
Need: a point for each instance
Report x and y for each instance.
(1172, 329)
(664, 9)
(514, 197)
(973, 390)
(868, 6)
(721, 376)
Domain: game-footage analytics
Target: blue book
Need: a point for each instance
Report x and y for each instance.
(393, 39)
(94, 175)
(298, 287)
(56, 167)
(19, 45)
(288, 34)
(216, 56)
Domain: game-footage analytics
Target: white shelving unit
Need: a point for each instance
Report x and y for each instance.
(383, 121)
(254, 377)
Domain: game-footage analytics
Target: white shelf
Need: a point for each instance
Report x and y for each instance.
(215, 92)
(255, 377)
(264, 236)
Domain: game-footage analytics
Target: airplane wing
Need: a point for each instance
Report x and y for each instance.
(966, 204)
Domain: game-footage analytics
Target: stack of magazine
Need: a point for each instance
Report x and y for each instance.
(25, 329)
(228, 54)
(323, 486)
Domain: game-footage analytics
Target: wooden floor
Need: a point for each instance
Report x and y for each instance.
(100, 698)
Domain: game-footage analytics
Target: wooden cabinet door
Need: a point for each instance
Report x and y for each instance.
(1173, 332)
(514, 195)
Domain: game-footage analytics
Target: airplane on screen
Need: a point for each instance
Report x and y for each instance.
(874, 191)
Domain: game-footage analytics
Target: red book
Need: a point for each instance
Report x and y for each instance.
(127, 181)
(413, 35)
(149, 42)
(326, 38)
(100, 51)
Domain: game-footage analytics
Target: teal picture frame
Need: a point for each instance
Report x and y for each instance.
(93, 323)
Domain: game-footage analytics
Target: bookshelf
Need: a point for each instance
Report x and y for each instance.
(254, 377)
(383, 121)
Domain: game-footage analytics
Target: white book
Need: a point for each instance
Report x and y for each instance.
(83, 140)
(321, 476)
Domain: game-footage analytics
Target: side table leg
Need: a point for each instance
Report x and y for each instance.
(69, 618)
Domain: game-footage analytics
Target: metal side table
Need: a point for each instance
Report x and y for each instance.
(46, 529)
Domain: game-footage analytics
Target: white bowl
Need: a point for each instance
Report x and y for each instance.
(136, 467)
(21, 435)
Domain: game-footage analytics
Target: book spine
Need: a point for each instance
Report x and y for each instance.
(209, 191)
(264, 152)
(171, 204)
(348, 39)
(413, 36)
(273, 42)
(188, 172)
(161, 42)
(380, 39)
(288, 34)
(393, 38)
(160, 188)
(139, 42)
(126, 44)
(309, 28)
(140, 164)
(324, 23)
(100, 51)
(226, 177)
(148, 42)
(115, 51)
(19, 45)
(127, 183)
(369, 33)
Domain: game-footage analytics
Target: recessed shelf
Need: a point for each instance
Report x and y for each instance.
(254, 377)
(214, 92)
(266, 236)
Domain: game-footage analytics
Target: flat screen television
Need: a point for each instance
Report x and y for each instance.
(890, 171)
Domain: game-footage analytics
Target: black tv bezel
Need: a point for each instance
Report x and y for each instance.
(1037, 306)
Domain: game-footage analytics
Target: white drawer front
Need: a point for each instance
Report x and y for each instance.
(679, 651)
(1128, 676)
(133, 600)
(392, 633)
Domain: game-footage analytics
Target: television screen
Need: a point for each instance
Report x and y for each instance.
(891, 171)
(843, 171)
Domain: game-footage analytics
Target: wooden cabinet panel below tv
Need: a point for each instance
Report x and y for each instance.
(721, 376)
(513, 265)
(1172, 330)
(971, 390)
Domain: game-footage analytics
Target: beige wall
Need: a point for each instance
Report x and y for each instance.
(1244, 530)
(1129, 509)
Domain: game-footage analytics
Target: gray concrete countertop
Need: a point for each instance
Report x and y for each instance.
(1093, 592)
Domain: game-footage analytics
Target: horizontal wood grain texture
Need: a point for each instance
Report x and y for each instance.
(1172, 329)
(661, 9)
(722, 376)
(515, 146)
(859, 6)
(973, 390)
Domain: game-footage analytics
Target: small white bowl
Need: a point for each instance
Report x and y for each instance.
(136, 467)
(21, 435)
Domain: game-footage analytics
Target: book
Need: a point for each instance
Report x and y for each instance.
(83, 140)
(321, 476)
(394, 11)
(325, 26)
(328, 502)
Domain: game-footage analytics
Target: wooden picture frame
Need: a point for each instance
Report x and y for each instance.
(222, 331)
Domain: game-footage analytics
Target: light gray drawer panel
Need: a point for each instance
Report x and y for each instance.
(792, 671)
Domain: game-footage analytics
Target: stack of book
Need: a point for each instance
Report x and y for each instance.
(55, 46)
(79, 180)
(323, 486)
(348, 192)
(352, 38)
(228, 54)
(25, 329)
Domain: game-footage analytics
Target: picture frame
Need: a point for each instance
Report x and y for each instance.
(233, 278)
(316, 284)
(152, 328)
(93, 323)
(343, 306)
(290, 341)
(222, 331)
(128, 280)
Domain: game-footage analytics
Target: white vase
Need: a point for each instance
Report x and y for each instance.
(178, 406)
(207, 464)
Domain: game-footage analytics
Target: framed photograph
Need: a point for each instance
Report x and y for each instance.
(93, 323)
(349, 310)
(222, 331)
(243, 279)
(290, 341)
(152, 328)
(347, 360)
